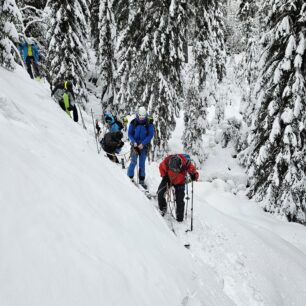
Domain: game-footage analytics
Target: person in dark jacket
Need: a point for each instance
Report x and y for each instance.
(112, 144)
(30, 54)
(140, 132)
(173, 170)
(64, 94)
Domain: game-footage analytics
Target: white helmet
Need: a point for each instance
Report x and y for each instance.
(142, 113)
(29, 40)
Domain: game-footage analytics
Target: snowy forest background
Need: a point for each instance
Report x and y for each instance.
(173, 55)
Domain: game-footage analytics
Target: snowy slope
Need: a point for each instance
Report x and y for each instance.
(73, 230)
(260, 258)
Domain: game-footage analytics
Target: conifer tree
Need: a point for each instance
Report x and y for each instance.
(129, 16)
(248, 15)
(277, 162)
(106, 57)
(94, 23)
(34, 26)
(208, 53)
(162, 58)
(10, 17)
(199, 87)
(218, 29)
(67, 36)
(195, 123)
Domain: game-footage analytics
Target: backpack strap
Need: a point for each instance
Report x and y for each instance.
(149, 120)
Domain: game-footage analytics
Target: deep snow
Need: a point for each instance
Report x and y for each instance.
(75, 231)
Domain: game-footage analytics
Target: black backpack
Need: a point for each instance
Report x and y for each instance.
(149, 121)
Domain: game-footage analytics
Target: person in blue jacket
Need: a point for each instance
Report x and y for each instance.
(114, 125)
(140, 132)
(30, 54)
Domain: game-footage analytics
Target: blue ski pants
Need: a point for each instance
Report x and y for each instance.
(142, 160)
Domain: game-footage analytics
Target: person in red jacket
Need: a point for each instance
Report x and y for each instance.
(173, 170)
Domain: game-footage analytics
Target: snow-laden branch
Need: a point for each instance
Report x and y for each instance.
(39, 11)
(34, 21)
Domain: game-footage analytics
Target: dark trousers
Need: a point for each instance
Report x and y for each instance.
(74, 110)
(179, 198)
(31, 64)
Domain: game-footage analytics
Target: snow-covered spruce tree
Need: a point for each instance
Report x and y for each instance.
(215, 10)
(129, 16)
(10, 17)
(248, 15)
(33, 18)
(67, 36)
(277, 163)
(218, 29)
(34, 26)
(199, 85)
(94, 22)
(121, 10)
(161, 57)
(106, 58)
(195, 120)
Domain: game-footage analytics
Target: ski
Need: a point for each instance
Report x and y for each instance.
(177, 230)
(145, 191)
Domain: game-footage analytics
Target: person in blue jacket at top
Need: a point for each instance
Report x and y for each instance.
(140, 132)
(114, 125)
(30, 54)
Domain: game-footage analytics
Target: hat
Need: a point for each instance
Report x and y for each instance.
(29, 40)
(142, 112)
(108, 117)
(175, 163)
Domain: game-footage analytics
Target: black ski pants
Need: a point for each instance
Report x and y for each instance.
(73, 108)
(179, 198)
(30, 62)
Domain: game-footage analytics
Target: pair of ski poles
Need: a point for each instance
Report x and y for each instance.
(191, 208)
(172, 199)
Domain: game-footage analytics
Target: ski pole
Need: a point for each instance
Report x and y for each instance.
(187, 200)
(191, 224)
(94, 130)
(84, 126)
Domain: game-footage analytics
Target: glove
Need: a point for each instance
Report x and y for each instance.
(166, 178)
(140, 146)
(135, 145)
(194, 176)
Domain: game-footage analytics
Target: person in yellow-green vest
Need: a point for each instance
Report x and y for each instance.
(64, 94)
(30, 54)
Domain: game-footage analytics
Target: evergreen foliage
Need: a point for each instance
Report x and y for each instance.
(162, 52)
(248, 14)
(34, 26)
(94, 22)
(207, 72)
(10, 17)
(277, 162)
(151, 57)
(67, 37)
(106, 57)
